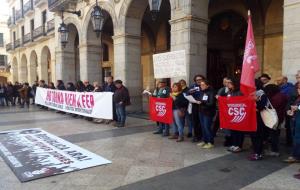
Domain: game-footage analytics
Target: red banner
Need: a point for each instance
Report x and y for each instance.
(237, 113)
(161, 110)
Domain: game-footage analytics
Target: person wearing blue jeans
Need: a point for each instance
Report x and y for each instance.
(121, 114)
(121, 100)
(180, 104)
(207, 110)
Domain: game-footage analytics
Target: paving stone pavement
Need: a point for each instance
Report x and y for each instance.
(142, 160)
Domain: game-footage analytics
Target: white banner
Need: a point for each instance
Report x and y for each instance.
(90, 104)
(169, 65)
(34, 154)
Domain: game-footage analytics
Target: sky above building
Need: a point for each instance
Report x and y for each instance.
(4, 9)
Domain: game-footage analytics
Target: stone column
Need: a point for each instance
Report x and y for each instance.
(189, 33)
(90, 59)
(65, 67)
(32, 73)
(127, 66)
(291, 38)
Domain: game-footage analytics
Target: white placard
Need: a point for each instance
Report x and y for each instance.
(170, 65)
(91, 104)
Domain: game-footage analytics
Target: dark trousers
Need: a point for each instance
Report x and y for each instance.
(196, 122)
(216, 124)
(288, 127)
(121, 114)
(274, 139)
(257, 138)
(237, 138)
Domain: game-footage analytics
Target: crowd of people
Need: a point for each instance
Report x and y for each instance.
(23, 95)
(202, 116)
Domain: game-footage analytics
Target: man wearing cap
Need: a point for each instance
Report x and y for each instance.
(163, 92)
(121, 100)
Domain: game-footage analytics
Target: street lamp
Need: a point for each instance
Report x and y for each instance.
(97, 19)
(63, 28)
(154, 8)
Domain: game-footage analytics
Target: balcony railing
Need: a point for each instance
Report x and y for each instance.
(39, 2)
(28, 7)
(56, 5)
(50, 25)
(39, 31)
(26, 38)
(9, 47)
(19, 15)
(17, 43)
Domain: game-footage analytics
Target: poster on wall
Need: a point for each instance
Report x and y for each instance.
(89, 104)
(34, 153)
(170, 64)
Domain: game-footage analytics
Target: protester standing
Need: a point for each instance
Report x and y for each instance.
(2, 95)
(121, 100)
(207, 111)
(195, 91)
(180, 104)
(109, 86)
(24, 94)
(34, 88)
(163, 92)
(188, 116)
(60, 85)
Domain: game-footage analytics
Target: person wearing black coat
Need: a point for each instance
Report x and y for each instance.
(121, 100)
(60, 85)
(207, 111)
(180, 104)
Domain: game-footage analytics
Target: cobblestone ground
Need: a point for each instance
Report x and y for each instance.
(142, 160)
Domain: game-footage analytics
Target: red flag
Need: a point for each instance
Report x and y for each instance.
(250, 62)
(161, 110)
(237, 113)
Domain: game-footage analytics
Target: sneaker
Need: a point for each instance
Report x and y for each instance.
(208, 146)
(291, 160)
(236, 149)
(255, 157)
(297, 176)
(273, 154)
(201, 144)
(157, 132)
(230, 149)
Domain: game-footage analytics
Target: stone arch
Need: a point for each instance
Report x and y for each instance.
(217, 7)
(14, 67)
(23, 72)
(273, 39)
(32, 67)
(44, 68)
(225, 47)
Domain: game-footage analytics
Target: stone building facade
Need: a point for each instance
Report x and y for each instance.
(212, 32)
(4, 37)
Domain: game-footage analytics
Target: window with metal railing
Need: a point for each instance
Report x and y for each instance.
(1, 40)
(3, 60)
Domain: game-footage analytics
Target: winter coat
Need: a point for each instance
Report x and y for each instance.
(109, 87)
(208, 102)
(279, 102)
(122, 95)
(180, 102)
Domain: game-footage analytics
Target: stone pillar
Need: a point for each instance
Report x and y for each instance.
(189, 33)
(127, 66)
(90, 59)
(259, 42)
(32, 73)
(22, 75)
(291, 38)
(65, 67)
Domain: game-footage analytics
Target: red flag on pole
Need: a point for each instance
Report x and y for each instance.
(161, 110)
(250, 62)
